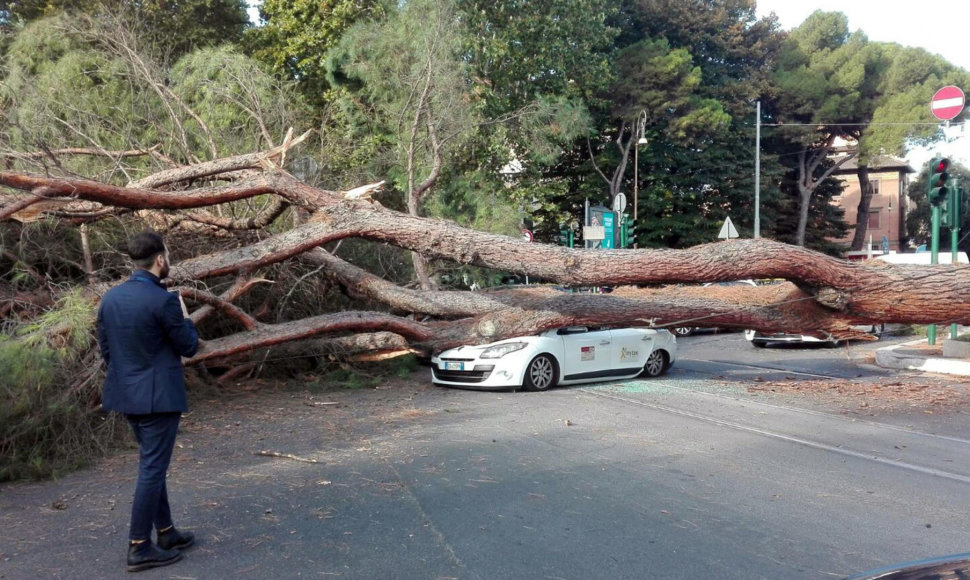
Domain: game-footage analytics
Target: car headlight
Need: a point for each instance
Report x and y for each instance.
(501, 350)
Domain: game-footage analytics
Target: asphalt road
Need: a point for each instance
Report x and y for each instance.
(729, 354)
(686, 476)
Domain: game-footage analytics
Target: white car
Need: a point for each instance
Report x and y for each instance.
(689, 330)
(564, 356)
(762, 339)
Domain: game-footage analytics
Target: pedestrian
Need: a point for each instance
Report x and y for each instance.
(143, 331)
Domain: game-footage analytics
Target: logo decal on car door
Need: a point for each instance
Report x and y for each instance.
(587, 353)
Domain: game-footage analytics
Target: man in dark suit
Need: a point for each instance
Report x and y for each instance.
(143, 331)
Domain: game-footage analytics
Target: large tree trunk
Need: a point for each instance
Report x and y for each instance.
(824, 296)
(804, 204)
(809, 163)
(862, 213)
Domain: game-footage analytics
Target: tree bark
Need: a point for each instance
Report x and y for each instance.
(809, 162)
(862, 212)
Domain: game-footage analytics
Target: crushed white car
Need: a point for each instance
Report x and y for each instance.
(762, 339)
(564, 356)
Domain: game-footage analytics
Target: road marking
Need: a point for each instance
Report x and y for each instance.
(789, 438)
(753, 402)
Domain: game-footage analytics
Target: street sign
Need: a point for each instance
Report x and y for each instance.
(619, 203)
(947, 103)
(727, 230)
(609, 232)
(526, 235)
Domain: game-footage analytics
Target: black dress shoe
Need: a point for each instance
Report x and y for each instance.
(172, 539)
(147, 555)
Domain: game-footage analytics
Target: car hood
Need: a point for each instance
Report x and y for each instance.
(955, 566)
(474, 349)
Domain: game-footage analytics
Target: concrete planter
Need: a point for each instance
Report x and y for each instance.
(956, 349)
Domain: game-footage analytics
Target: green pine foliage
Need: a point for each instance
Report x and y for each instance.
(49, 422)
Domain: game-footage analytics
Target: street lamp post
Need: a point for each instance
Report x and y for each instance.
(757, 172)
(890, 226)
(641, 140)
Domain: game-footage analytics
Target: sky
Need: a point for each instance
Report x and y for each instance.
(938, 26)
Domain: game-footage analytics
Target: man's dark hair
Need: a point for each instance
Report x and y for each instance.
(144, 247)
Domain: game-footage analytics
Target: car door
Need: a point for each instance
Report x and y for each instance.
(631, 347)
(587, 352)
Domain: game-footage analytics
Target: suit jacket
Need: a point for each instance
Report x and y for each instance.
(143, 335)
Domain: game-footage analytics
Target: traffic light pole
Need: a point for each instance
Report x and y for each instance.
(934, 259)
(937, 192)
(955, 218)
(954, 240)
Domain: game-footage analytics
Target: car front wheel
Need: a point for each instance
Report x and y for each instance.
(541, 374)
(656, 364)
(683, 330)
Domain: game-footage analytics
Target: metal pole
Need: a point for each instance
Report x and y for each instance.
(757, 172)
(889, 247)
(639, 135)
(934, 259)
(636, 182)
(954, 236)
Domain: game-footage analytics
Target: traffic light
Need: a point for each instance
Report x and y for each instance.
(631, 231)
(937, 190)
(565, 236)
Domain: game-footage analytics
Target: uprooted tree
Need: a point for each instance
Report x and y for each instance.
(820, 295)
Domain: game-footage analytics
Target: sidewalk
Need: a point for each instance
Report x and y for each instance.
(918, 355)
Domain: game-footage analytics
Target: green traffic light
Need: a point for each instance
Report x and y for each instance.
(938, 192)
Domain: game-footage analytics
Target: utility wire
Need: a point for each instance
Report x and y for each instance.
(823, 124)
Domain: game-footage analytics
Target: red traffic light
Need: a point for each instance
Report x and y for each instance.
(941, 165)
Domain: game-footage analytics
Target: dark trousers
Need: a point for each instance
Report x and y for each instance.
(155, 434)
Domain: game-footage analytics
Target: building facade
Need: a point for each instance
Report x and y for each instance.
(889, 177)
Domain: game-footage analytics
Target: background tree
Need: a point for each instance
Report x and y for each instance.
(693, 69)
(835, 87)
(697, 180)
(295, 37)
(402, 78)
(175, 28)
(81, 98)
(73, 81)
(536, 68)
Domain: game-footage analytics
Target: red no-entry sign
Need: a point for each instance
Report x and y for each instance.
(947, 103)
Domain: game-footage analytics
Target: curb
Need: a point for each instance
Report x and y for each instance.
(888, 357)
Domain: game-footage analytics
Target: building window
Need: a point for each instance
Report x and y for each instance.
(876, 186)
(874, 220)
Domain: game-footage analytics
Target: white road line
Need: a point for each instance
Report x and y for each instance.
(752, 402)
(789, 438)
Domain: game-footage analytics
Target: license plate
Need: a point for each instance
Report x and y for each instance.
(454, 366)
